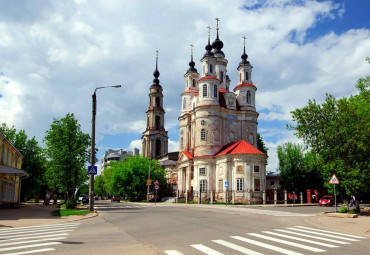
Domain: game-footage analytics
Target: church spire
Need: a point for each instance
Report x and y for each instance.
(192, 63)
(217, 44)
(208, 46)
(156, 72)
(244, 56)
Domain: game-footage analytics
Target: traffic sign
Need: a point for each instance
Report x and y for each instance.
(156, 187)
(148, 182)
(93, 170)
(226, 184)
(334, 180)
(156, 182)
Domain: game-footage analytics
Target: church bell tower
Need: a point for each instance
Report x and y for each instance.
(155, 138)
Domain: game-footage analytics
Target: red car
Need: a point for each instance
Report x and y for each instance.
(115, 198)
(326, 200)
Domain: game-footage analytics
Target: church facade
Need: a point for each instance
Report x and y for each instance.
(218, 153)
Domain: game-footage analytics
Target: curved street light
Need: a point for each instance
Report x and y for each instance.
(92, 153)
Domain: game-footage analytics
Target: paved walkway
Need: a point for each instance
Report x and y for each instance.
(32, 214)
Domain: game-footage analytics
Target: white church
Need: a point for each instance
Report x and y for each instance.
(218, 132)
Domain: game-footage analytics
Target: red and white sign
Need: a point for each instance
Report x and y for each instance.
(334, 180)
(156, 187)
(156, 183)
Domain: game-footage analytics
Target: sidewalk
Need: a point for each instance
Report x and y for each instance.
(31, 214)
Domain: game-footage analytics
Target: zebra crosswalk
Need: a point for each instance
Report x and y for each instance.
(34, 239)
(297, 240)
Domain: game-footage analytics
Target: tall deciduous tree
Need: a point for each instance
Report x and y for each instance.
(339, 131)
(67, 151)
(33, 160)
(129, 177)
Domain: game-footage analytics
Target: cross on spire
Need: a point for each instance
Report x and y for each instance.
(244, 39)
(156, 59)
(217, 20)
(191, 49)
(209, 31)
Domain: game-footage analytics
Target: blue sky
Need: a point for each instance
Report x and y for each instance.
(54, 54)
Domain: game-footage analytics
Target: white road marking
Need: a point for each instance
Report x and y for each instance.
(31, 237)
(40, 226)
(301, 239)
(32, 241)
(267, 246)
(331, 232)
(21, 229)
(35, 231)
(312, 237)
(322, 234)
(35, 234)
(173, 252)
(237, 247)
(29, 246)
(205, 249)
(302, 246)
(31, 251)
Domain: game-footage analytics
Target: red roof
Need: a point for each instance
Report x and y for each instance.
(245, 85)
(222, 99)
(240, 147)
(187, 154)
(222, 90)
(208, 77)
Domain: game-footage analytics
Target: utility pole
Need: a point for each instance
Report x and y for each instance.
(92, 153)
(148, 181)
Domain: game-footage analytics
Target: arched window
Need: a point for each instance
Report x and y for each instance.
(203, 134)
(215, 91)
(222, 76)
(158, 148)
(210, 68)
(204, 90)
(193, 82)
(182, 142)
(248, 97)
(246, 76)
(184, 104)
(157, 102)
(240, 77)
(147, 121)
(157, 122)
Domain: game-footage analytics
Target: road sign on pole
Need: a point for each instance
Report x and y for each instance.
(334, 180)
(226, 184)
(93, 170)
(156, 182)
(148, 182)
(156, 187)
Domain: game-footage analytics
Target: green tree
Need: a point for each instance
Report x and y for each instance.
(67, 151)
(99, 186)
(129, 177)
(33, 160)
(338, 130)
(261, 144)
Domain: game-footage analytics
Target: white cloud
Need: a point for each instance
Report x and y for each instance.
(55, 55)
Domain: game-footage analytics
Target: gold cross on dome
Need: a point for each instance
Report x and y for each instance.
(217, 20)
(209, 31)
(244, 39)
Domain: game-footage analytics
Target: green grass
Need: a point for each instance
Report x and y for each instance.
(67, 212)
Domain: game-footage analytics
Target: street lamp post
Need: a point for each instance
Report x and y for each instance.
(92, 154)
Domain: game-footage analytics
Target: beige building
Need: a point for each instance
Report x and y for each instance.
(10, 173)
(218, 132)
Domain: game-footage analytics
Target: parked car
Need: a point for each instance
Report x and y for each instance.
(326, 200)
(83, 198)
(115, 198)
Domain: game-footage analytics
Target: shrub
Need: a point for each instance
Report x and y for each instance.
(353, 211)
(71, 203)
(343, 210)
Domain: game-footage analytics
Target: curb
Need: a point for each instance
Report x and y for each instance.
(341, 215)
(89, 216)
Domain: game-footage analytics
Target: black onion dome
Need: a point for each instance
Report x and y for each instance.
(244, 57)
(156, 75)
(208, 50)
(191, 65)
(217, 45)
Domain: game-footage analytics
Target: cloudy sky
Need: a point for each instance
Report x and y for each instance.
(53, 54)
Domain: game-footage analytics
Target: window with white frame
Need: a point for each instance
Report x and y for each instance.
(257, 183)
(215, 91)
(205, 90)
(239, 184)
(249, 97)
(203, 134)
(203, 185)
(184, 104)
(202, 171)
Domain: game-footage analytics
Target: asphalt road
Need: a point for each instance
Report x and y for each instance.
(175, 229)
